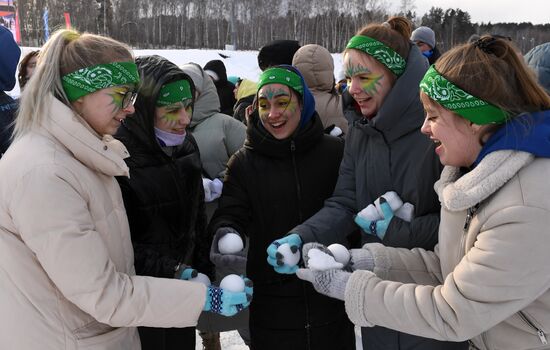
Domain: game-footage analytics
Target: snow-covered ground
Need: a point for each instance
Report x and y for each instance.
(232, 341)
(243, 64)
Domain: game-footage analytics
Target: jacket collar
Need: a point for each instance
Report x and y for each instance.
(105, 155)
(458, 192)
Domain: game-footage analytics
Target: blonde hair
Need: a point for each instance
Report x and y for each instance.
(65, 52)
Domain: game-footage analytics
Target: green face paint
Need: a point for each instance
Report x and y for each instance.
(118, 97)
(369, 81)
(353, 70)
(171, 116)
(270, 93)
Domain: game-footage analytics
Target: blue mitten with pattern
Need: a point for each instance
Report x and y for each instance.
(377, 227)
(226, 303)
(276, 259)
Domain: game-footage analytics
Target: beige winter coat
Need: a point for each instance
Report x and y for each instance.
(66, 261)
(317, 66)
(489, 282)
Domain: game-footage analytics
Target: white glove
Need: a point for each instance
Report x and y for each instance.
(212, 189)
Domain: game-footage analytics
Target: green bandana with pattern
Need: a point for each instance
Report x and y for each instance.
(451, 97)
(174, 92)
(380, 51)
(281, 76)
(91, 79)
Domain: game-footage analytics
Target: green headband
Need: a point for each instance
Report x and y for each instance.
(174, 92)
(451, 97)
(281, 76)
(381, 52)
(91, 79)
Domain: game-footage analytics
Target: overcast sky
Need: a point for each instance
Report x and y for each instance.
(534, 11)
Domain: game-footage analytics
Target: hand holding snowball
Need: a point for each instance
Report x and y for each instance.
(228, 249)
(233, 295)
(285, 258)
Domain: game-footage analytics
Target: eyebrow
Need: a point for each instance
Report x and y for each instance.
(277, 94)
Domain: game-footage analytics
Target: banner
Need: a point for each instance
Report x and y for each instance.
(7, 15)
(46, 26)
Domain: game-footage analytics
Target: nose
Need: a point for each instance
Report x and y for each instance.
(425, 129)
(184, 117)
(353, 86)
(130, 109)
(275, 112)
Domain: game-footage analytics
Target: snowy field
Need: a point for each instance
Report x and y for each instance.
(243, 64)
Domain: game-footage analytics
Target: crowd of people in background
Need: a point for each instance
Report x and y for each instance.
(121, 176)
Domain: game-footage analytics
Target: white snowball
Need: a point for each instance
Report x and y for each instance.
(393, 200)
(341, 253)
(321, 261)
(370, 213)
(230, 243)
(336, 131)
(201, 278)
(232, 283)
(289, 258)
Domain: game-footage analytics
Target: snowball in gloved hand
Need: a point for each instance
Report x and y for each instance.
(406, 212)
(341, 253)
(336, 131)
(230, 243)
(233, 283)
(370, 213)
(393, 200)
(289, 257)
(320, 261)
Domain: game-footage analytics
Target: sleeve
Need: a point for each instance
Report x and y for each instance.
(235, 132)
(487, 286)
(421, 232)
(203, 240)
(75, 256)
(334, 222)
(234, 204)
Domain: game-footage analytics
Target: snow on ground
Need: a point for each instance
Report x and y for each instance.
(243, 64)
(232, 341)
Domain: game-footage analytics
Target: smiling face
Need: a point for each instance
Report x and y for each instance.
(457, 139)
(279, 110)
(103, 110)
(174, 118)
(368, 81)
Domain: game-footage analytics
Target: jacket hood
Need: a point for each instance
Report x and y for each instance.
(528, 132)
(155, 71)
(538, 58)
(246, 88)
(9, 57)
(316, 65)
(208, 102)
(217, 67)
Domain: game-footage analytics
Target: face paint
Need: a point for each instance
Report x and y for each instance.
(279, 110)
(270, 93)
(169, 118)
(369, 81)
(117, 95)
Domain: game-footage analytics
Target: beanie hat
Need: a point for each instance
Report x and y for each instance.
(538, 59)
(277, 52)
(425, 35)
(233, 79)
(9, 57)
(218, 68)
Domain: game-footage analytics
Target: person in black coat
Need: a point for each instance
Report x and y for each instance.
(282, 175)
(9, 56)
(164, 196)
(218, 73)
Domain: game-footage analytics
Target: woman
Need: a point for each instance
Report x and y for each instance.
(282, 175)
(385, 151)
(488, 279)
(65, 249)
(164, 196)
(27, 67)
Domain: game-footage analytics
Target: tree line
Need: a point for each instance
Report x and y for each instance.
(249, 24)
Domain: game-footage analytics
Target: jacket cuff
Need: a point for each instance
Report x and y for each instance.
(382, 262)
(355, 300)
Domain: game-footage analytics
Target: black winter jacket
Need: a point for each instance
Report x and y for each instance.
(271, 186)
(164, 197)
(8, 107)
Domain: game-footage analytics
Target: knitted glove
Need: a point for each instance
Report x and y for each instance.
(226, 303)
(184, 272)
(361, 259)
(275, 259)
(377, 227)
(236, 261)
(318, 261)
(331, 283)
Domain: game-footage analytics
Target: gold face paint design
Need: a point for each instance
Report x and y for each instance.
(369, 81)
(171, 115)
(117, 95)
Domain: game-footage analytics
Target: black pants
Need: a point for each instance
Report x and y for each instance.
(380, 338)
(167, 338)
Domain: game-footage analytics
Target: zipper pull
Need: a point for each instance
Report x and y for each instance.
(292, 146)
(542, 337)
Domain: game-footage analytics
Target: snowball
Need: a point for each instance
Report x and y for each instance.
(393, 200)
(370, 213)
(321, 261)
(341, 253)
(201, 278)
(289, 258)
(230, 243)
(336, 131)
(232, 283)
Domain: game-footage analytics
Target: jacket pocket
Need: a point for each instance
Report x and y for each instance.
(533, 325)
(109, 339)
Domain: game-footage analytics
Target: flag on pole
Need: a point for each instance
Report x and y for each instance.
(46, 27)
(67, 20)
(17, 30)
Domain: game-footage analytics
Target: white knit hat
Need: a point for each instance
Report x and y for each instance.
(425, 35)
